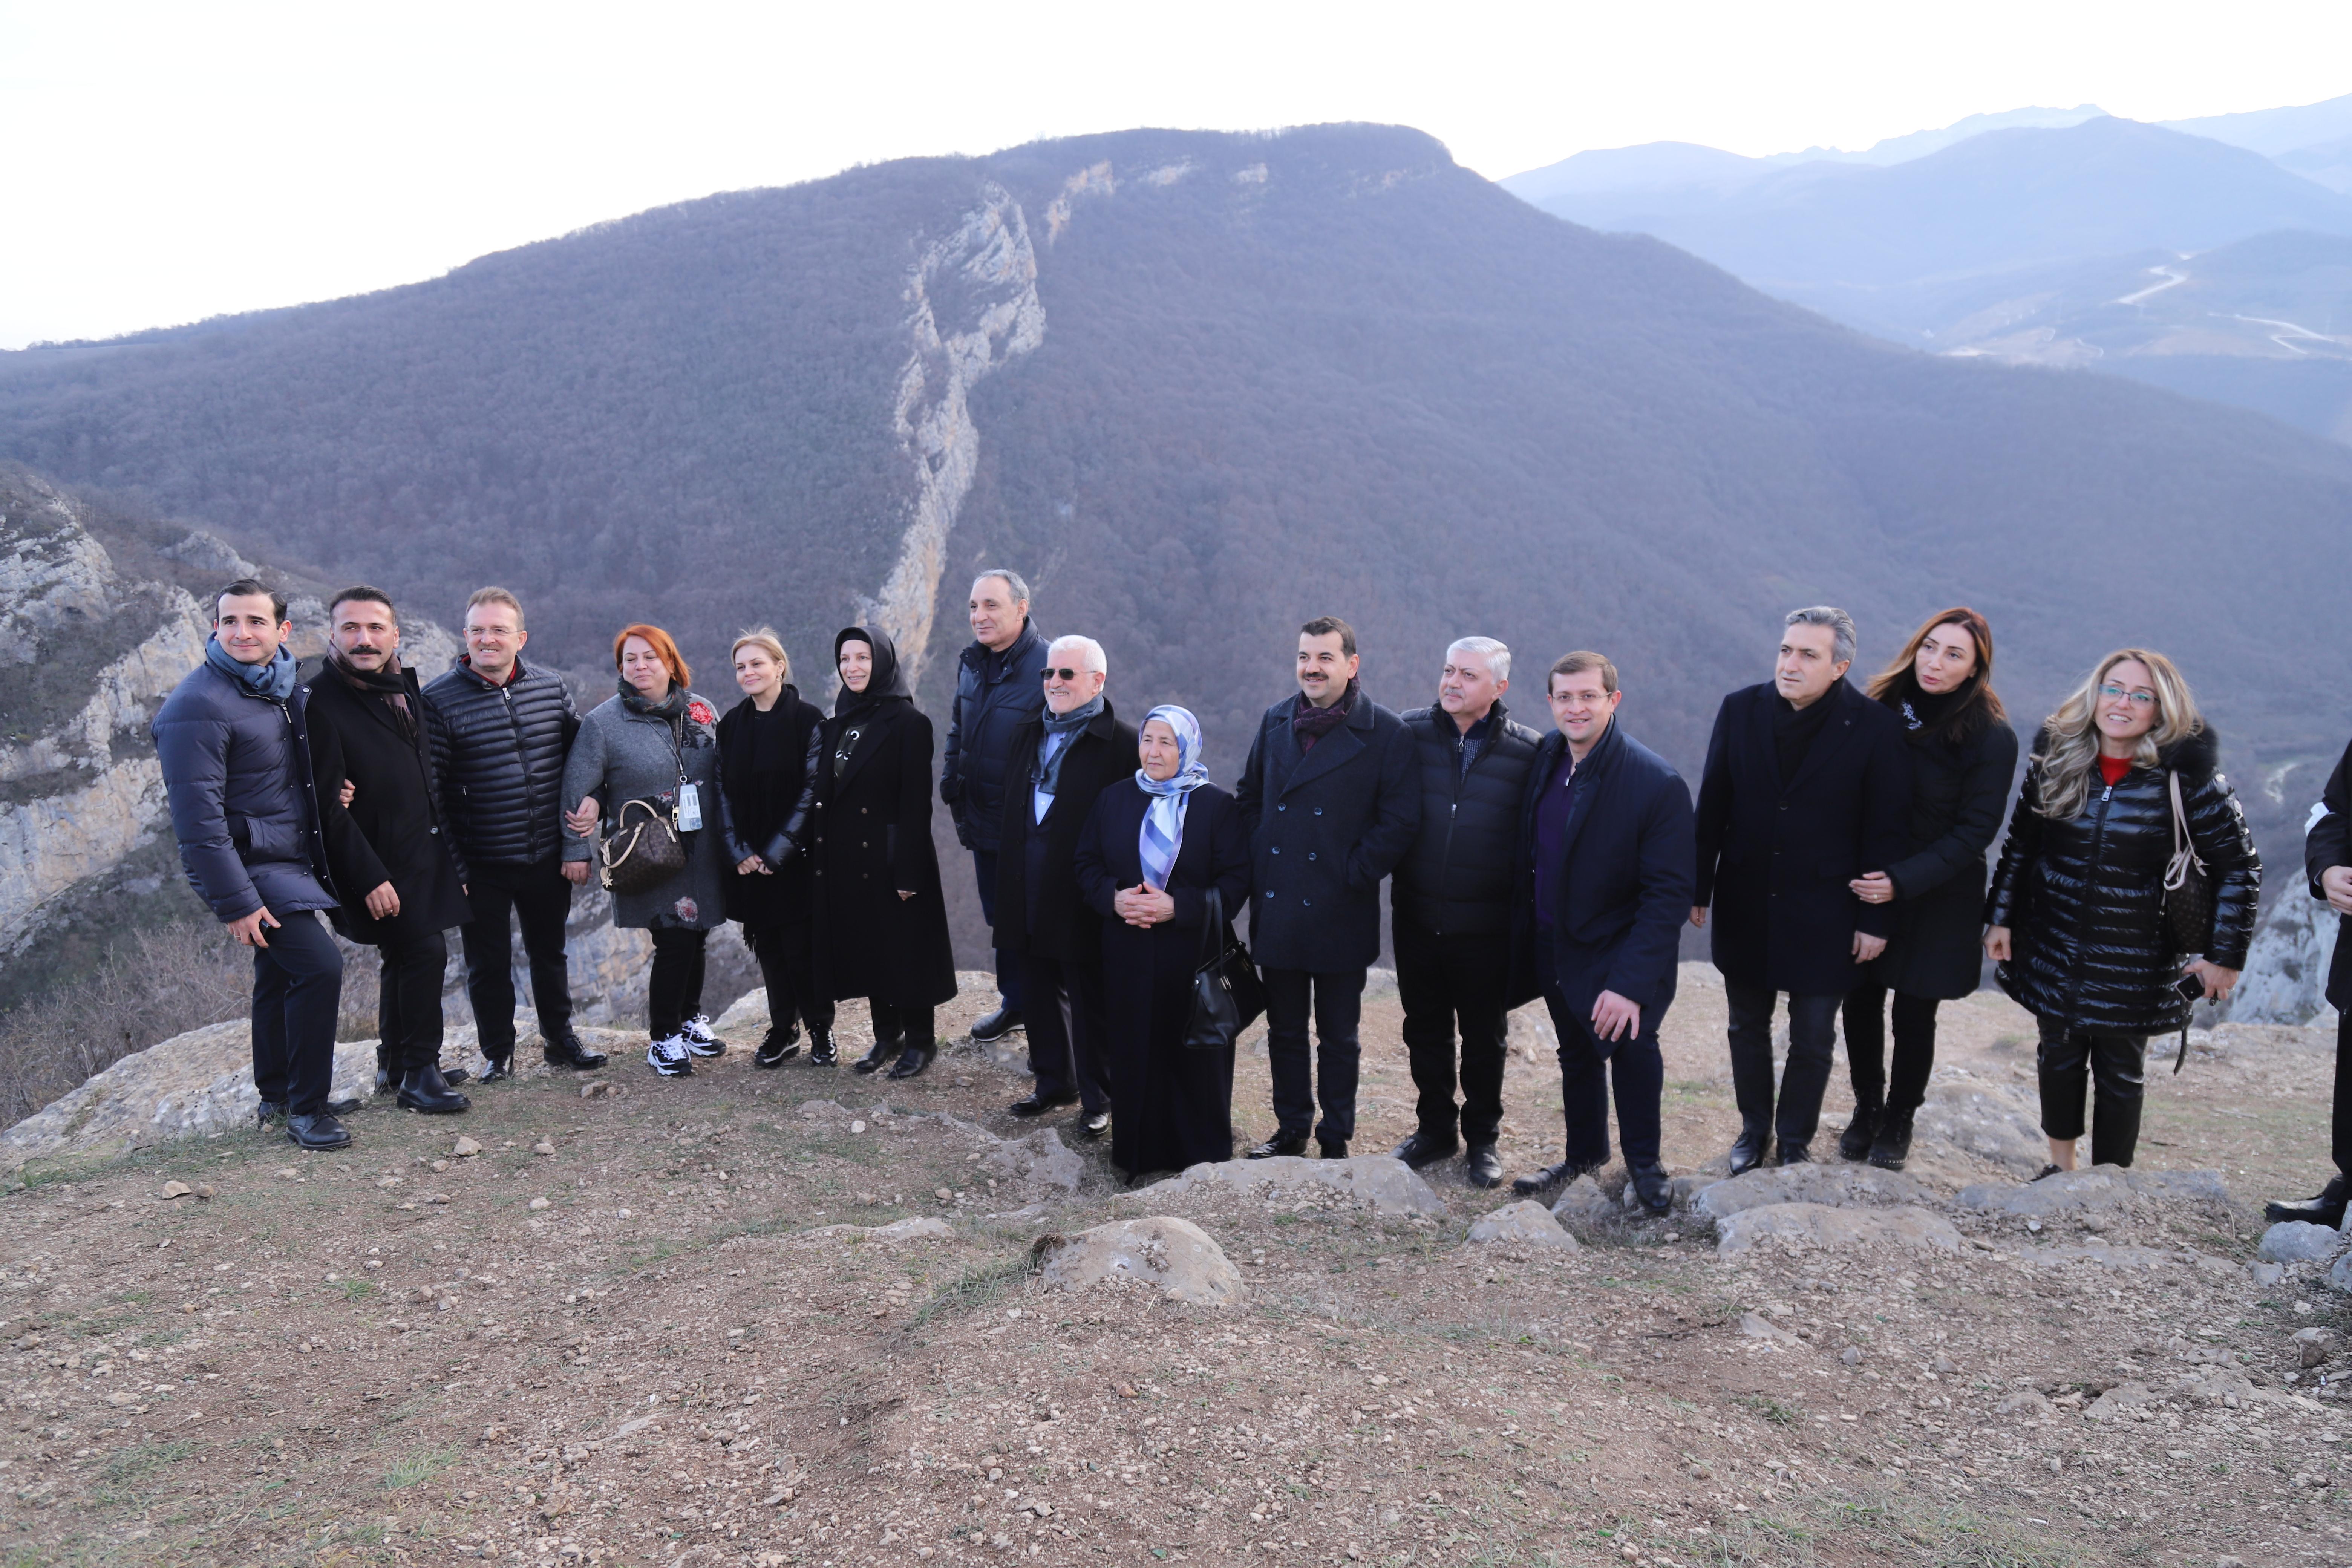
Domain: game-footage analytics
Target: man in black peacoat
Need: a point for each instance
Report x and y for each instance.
(1079, 747)
(2327, 862)
(367, 726)
(1331, 797)
(1808, 786)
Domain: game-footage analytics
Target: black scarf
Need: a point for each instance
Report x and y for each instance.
(1312, 723)
(1794, 729)
(390, 683)
(886, 685)
(1923, 709)
(760, 766)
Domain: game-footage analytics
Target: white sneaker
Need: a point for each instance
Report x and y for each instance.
(696, 1033)
(670, 1059)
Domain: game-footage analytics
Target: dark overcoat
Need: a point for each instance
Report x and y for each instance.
(766, 801)
(244, 799)
(1174, 1106)
(1325, 825)
(2328, 843)
(1625, 885)
(392, 831)
(873, 838)
(1775, 858)
(1958, 794)
(1051, 919)
(2084, 898)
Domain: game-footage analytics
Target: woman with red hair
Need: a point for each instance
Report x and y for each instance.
(655, 743)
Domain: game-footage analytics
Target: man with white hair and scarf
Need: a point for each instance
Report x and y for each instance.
(1060, 760)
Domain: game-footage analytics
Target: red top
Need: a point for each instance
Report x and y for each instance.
(2112, 769)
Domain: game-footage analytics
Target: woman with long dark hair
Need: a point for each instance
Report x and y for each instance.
(1153, 848)
(655, 740)
(769, 750)
(1963, 755)
(883, 926)
(2079, 928)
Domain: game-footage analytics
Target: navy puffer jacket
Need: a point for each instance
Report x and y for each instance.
(236, 766)
(2084, 898)
(996, 695)
(498, 757)
(1458, 877)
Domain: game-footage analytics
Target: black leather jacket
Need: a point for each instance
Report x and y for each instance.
(498, 757)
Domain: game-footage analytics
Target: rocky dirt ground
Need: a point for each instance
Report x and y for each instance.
(791, 1317)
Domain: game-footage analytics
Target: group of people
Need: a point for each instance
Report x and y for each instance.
(1836, 854)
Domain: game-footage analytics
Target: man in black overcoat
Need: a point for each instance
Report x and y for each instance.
(1332, 800)
(1807, 786)
(1606, 871)
(2327, 861)
(1061, 760)
(1450, 906)
(368, 727)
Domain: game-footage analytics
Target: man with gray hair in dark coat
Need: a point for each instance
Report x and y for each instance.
(233, 742)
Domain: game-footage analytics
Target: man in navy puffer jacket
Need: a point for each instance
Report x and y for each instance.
(236, 757)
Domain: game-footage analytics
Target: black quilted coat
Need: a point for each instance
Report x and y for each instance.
(2084, 899)
(498, 755)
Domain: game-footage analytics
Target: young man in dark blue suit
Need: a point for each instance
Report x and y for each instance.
(1608, 856)
(1808, 786)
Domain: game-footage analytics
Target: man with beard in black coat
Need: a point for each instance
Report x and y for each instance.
(1331, 797)
(1061, 760)
(367, 726)
(1808, 786)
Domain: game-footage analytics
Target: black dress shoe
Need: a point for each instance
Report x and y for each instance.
(1334, 1148)
(1748, 1152)
(1892, 1147)
(776, 1049)
(1853, 1143)
(877, 1058)
(2327, 1208)
(384, 1079)
(566, 1051)
(317, 1132)
(1652, 1187)
(996, 1026)
(1549, 1179)
(425, 1090)
(821, 1051)
(496, 1068)
(452, 1077)
(913, 1059)
(1795, 1154)
(269, 1111)
(1037, 1102)
(1423, 1148)
(1485, 1166)
(1092, 1127)
(1276, 1147)
(341, 1107)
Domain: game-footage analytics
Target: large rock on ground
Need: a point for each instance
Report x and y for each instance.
(1583, 1202)
(1388, 1185)
(1988, 1120)
(1820, 1225)
(1846, 1186)
(1174, 1254)
(2100, 1189)
(1038, 1155)
(1525, 1224)
(2298, 1241)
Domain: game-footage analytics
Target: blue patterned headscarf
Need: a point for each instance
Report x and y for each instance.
(1163, 824)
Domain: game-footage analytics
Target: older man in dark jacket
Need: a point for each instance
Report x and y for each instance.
(1605, 882)
(500, 733)
(1061, 760)
(999, 688)
(234, 744)
(1450, 906)
(367, 727)
(1808, 786)
(1331, 798)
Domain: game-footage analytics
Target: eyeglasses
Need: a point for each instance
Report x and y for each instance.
(1065, 675)
(2139, 698)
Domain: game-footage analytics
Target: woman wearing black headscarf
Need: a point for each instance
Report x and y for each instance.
(883, 926)
(768, 754)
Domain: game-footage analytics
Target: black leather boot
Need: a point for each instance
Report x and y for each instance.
(1748, 1152)
(567, 1051)
(423, 1089)
(913, 1059)
(495, 1069)
(1795, 1154)
(2327, 1208)
(1892, 1147)
(1485, 1165)
(1652, 1187)
(1855, 1142)
(1424, 1149)
(879, 1057)
(1549, 1179)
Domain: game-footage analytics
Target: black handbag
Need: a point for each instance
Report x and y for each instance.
(1227, 995)
(644, 849)
(2188, 885)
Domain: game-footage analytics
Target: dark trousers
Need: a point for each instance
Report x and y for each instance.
(2114, 1066)
(907, 1025)
(787, 955)
(297, 983)
(1337, 1003)
(1065, 1030)
(538, 896)
(1813, 1046)
(2342, 1131)
(674, 992)
(408, 1002)
(1866, 1048)
(1639, 1070)
(1443, 981)
(1008, 964)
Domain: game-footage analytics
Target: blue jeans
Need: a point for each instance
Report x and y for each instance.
(1008, 964)
(298, 984)
(1337, 1001)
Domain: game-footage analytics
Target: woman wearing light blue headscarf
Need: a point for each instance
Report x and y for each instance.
(1154, 849)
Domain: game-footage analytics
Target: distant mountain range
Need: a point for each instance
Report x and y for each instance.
(1996, 239)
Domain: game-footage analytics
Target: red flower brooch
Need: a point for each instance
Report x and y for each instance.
(698, 711)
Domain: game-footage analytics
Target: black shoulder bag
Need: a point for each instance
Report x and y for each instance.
(1227, 995)
(2187, 899)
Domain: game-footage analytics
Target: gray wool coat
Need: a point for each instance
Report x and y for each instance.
(622, 756)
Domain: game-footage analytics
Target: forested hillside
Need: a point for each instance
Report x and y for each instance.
(1201, 386)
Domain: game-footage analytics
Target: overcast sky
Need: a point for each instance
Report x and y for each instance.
(167, 162)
